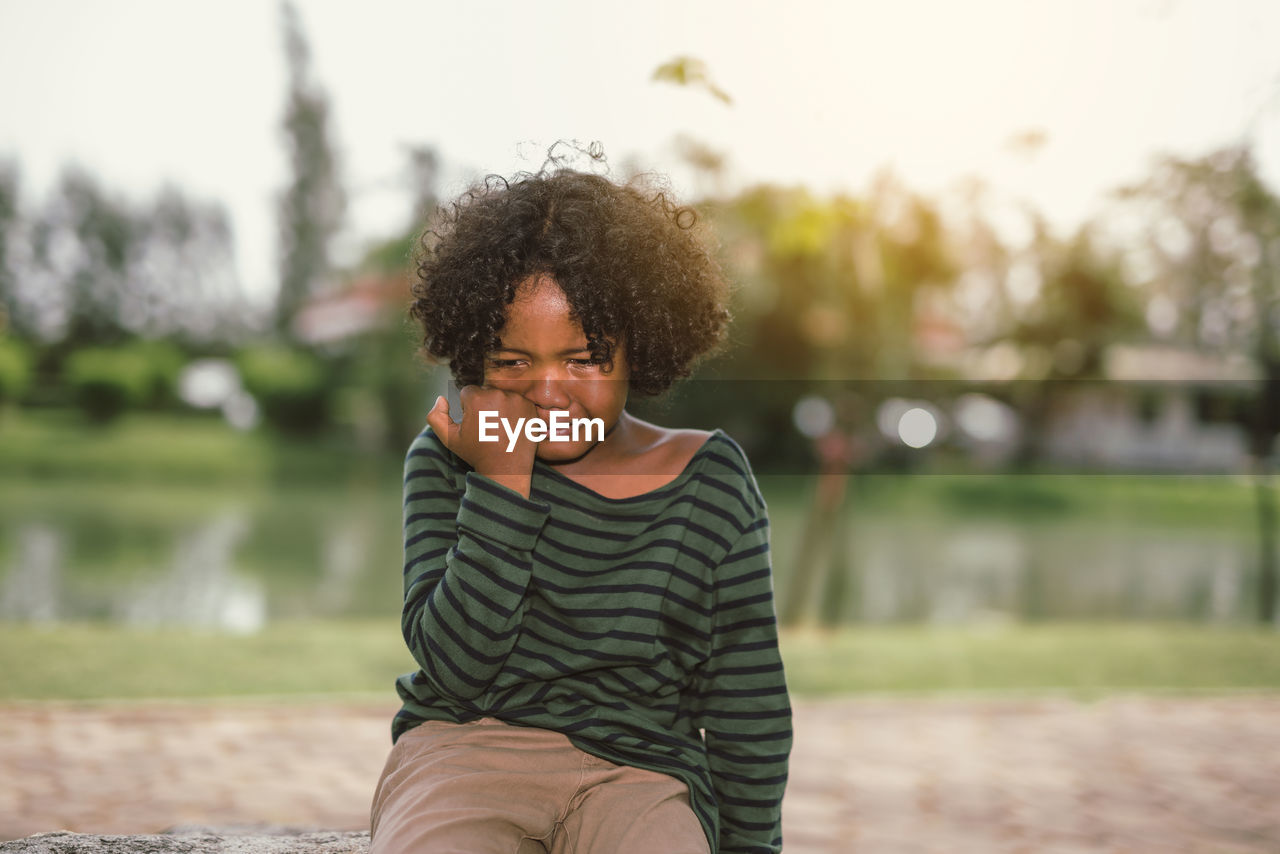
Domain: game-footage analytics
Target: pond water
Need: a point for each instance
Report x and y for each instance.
(234, 560)
(209, 559)
(967, 570)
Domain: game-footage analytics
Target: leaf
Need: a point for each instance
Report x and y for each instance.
(689, 71)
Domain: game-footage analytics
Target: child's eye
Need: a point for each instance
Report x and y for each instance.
(593, 364)
(503, 363)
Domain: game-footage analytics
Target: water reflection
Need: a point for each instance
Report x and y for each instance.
(234, 562)
(227, 560)
(949, 571)
(202, 588)
(345, 551)
(30, 587)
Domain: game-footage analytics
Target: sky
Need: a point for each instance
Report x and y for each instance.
(824, 94)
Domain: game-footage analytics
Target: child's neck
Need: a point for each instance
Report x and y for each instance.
(636, 458)
(617, 452)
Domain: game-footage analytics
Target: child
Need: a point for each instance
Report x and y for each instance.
(591, 609)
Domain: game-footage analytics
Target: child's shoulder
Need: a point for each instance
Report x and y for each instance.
(725, 455)
(669, 449)
(684, 443)
(716, 457)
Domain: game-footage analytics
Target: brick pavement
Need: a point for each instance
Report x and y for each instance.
(875, 776)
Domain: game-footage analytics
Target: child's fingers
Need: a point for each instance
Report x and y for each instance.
(441, 424)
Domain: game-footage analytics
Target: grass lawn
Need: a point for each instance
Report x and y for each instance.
(93, 662)
(1081, 659)
(155, 448)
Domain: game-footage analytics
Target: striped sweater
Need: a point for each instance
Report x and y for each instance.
(642, 628)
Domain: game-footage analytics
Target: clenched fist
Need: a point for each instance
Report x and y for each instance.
(512, 468)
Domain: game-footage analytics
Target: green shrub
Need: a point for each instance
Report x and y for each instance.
(107, 382)
(291, 388)
(15, 370)
(165, 362)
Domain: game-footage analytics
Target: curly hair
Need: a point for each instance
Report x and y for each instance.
(629, 260)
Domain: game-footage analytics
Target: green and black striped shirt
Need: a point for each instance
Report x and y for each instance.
(642, 628)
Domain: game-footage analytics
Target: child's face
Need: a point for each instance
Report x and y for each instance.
(543, 356)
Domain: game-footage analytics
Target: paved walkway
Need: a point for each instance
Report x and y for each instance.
(1139, 776)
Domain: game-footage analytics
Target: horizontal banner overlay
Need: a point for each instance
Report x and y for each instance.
(1159, 426)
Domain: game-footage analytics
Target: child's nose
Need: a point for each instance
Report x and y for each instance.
(549, 393)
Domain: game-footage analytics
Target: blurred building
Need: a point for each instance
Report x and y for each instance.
(368, 303)
(1159, 408)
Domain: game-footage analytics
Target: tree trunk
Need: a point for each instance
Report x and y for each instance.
(1266, 419)
(1267, 570)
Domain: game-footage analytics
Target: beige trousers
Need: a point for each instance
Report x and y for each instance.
(488, 787)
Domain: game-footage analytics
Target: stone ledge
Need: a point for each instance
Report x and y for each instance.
(65, 842)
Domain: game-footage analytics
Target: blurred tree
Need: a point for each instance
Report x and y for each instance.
(15, 370)
(1083, 305)
(185, 283)
(1215, 235)
(384, 365)
(101, 269)
(107, 381)
(9, 222)
(1071, 302)
(910, 254)
(311, 207)
(360, 329)
(86, 242)
(424, 179)
(982, 299)
(389, 390)
(838, 279)
(834, 289)
(1213, 227)
(773, 238)
(708, 165)
(291, 386)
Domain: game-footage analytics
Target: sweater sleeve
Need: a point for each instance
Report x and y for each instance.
(743, 708)
(467, 565)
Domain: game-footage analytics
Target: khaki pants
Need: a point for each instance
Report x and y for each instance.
(488, 787)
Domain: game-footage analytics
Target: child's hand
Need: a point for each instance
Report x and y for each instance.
(514, 468)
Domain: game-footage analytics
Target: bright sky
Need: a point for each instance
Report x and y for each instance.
(147, 91)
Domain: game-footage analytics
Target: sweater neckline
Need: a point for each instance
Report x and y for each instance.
(653, 494)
